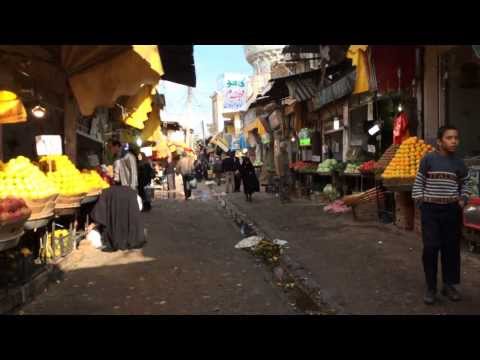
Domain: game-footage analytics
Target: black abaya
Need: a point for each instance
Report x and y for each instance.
(117, 211)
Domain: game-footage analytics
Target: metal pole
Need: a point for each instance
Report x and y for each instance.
(203, 132)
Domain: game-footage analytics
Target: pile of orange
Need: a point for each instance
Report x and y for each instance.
(406, 162)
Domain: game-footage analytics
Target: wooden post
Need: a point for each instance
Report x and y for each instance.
(70, 127)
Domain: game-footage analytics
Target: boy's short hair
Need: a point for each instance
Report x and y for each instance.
(116, 143)
(443, 129)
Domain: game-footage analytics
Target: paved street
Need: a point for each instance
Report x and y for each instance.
(190, 266)
(364, 268)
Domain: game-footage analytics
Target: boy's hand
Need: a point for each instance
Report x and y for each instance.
(461, 203)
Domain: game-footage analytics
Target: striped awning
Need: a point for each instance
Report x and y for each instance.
(302, 89)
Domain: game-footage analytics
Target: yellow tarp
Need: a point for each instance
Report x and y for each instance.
(139, 106)
(11, 108)
(359, 59)
(153, 132)
(257, 124)
(151, 55)
(121, 75)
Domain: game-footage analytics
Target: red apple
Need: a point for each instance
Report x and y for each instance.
(4, 217)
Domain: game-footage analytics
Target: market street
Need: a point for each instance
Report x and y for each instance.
(189, 266)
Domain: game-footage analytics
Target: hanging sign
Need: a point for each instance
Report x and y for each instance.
(305, 137)
(49, 145)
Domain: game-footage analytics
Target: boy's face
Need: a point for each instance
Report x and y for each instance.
(449, 142)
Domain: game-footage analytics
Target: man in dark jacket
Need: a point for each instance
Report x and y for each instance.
(238, 176)
(217, 170)
(229, 168)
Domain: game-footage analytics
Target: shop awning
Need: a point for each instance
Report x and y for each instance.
(302, 89)
(257, 124)
(101, 84)
(11, 108)
(178, 64)
(138, 107)
(335, 91)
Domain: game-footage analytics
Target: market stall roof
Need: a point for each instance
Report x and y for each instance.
(100, 74)
(275, 90)
(179, 64)
(296, 49)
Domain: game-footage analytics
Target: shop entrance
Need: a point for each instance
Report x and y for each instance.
(461, 85)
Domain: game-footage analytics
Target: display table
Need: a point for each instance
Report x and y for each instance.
(10, 241)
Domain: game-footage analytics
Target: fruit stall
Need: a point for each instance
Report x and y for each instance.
(40, 206)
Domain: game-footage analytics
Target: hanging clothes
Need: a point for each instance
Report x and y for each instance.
(358, 54)
(400, 128)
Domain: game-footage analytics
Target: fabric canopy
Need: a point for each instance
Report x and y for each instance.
(122, 74)
(138, 107)
(359, 59)
(153, 132)
(257, 124)
(11, 108)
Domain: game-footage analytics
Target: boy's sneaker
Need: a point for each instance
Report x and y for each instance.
(430, 297)
(451, 293)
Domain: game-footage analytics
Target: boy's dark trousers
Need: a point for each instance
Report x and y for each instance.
(441, 231)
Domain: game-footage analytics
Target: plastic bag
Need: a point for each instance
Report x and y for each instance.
(140, 202)
(95, 239)
(193, 183)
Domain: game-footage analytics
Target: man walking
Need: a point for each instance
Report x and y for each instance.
(441, 190)
(170, 173)
(217, 170)
(186, 169)
(229, 169)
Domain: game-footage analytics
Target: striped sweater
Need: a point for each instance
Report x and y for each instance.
(441, 180)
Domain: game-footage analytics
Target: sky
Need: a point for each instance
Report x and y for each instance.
(210, 62)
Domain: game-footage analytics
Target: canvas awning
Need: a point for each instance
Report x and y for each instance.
(335, 91)
(122, 74)
(178, 64)
(257, 124)
(11, 108)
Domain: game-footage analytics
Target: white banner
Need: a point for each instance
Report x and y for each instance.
(234, 92)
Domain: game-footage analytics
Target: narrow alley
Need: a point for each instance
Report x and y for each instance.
(189, 266)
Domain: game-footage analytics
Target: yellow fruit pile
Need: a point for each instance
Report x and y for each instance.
(66, 177)
(22, 179)
(406, 162)
(93, 180)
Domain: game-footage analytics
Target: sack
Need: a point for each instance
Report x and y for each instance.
(95, 239)
(193, 183)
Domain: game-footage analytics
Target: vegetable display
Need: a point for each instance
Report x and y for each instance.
(327, 166)
(367, 167)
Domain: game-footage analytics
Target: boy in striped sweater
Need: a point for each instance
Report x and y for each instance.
(441, 190)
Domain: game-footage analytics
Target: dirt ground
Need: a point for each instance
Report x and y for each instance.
(189, 266)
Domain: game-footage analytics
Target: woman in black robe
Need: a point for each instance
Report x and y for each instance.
(117, 215)
(249, 178)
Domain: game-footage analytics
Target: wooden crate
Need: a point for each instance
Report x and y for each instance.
(404, 210)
